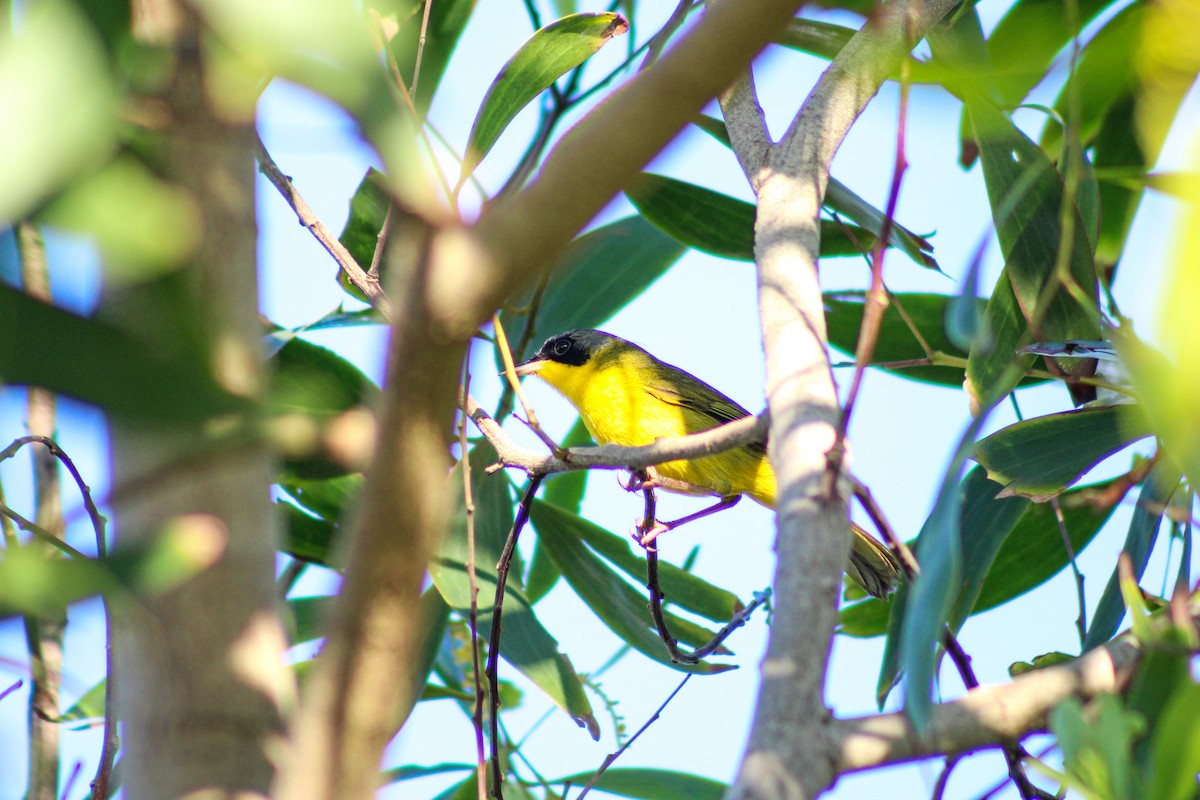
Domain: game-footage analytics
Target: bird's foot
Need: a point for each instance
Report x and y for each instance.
(636, 482)
(645, 536)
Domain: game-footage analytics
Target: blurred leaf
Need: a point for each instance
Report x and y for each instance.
(360, 235)
(42, 345)
(318, 383)
(550, 53)
(965, 311)
(1139, 543)
(679, 587)
(721, 225)
(1096, 747)
(309, 615)
(306, 537)
(894, 614)
(843, 318)
(822, 39)
(840, 200)
(650, 784)
(1176, 747)
(432, 618)
(597, 275)
(53, 70)
(525, 643)
(1040, 457)
(1030, 555)
(1027, 197)
(126, 208)
(330, 498)
(33, 581)
(611, 598)
(1168, 382)
(90, 706)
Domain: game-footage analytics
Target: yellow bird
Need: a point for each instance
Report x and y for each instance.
(628, 397)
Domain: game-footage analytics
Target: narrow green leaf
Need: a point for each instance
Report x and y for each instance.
(721, 225)
(840, 200)
(1030, 555)
(679, 587)
(1040, 457)
(643, 783)
(895, 612)
(409, 771)
(308, 615)
(1139, 543)
(360, 235)
(597, 275)
(306, 537)
(550, 53)
(1026, 196)
(435, 40)
(42, 345)
(611, 598)
(564, 490)
(328, 498)
(90, 706)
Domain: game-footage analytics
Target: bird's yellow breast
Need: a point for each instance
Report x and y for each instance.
(618, 407)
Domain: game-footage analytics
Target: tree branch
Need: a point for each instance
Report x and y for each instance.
(790, 750)
(989, 716)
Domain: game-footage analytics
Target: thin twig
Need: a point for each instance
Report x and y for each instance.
(504, 406)
(939, 788)
(609, 759)
(473, 588)
(493, 659)
(354, 272)
(420, 47)
(876, 298)
(381, 241)
(1081, 619)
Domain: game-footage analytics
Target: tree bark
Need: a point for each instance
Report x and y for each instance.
(202, 680)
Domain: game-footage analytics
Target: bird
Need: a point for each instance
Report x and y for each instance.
(626, 396)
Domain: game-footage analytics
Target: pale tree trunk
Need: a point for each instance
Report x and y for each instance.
(201, 677)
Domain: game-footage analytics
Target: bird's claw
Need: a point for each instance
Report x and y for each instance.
(645, 536)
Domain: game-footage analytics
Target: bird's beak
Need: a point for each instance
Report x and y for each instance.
(529, 367)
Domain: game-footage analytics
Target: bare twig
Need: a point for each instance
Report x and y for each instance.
(515, 384)
(472, 589)
(608, 760)
(493, 659)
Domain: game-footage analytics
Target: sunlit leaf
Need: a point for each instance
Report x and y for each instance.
(1041, 457)
(550, 53)
(435, 38)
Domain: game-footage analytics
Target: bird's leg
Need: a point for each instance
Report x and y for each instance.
(662, 527)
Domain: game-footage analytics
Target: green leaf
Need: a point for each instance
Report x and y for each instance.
(1026, 196)
(409, 771)
(679, 587)
(641, 783)
(597, 275)
(318, 383)
(1097, 747)
(564, 490)
(550, 53)
(90, 706)
(721, 225)
(306, 537)
(42, 345)
(1039, 662)
(360, 235)
(1041, 457)
(329, 498)
(840, 200)
(308, 616)
(611, 598)
(1030, 555)
(1139, 543)
(1176, 748)
(822, 39)
(525, 643)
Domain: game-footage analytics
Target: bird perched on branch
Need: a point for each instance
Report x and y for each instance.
(626, 396)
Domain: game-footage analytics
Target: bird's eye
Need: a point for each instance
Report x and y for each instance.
(561, 347)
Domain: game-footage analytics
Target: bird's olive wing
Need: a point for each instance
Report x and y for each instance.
(696, 396)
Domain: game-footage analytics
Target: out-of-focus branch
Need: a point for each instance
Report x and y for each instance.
(788, 755)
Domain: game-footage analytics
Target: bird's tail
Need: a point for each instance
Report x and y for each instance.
(872, 566)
